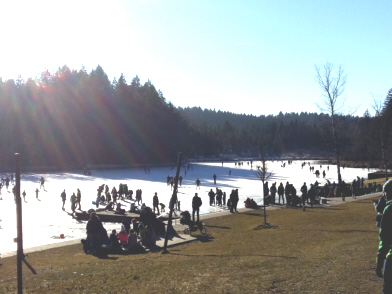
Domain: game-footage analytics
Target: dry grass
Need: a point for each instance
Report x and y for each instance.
(321, 250)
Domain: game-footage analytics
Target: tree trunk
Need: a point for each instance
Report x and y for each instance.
(335, 139)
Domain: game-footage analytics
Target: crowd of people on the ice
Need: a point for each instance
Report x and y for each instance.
(132, 236)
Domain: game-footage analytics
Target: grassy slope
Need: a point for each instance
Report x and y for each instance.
(321, 250)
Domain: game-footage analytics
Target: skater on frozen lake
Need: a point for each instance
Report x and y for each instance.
(139, 196)
(73, 203)
(197, 183)
(155, 202)
(114, 195)
(78, 198)
(7, 182)
(42, 182)
(63, 197)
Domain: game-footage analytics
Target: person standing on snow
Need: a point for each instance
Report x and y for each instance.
(196, 203)
(63, 197)
(42, 182)
(304, 197)
(211, 194)
(73, 203)
(155, 202)
(197, 183)
(78, 198)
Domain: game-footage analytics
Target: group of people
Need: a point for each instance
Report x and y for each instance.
(170, 180)
(10, 180)
(288, 192)
(6, 181)
(217, 198)
(122, 193)
(75, 200)
(131, 238)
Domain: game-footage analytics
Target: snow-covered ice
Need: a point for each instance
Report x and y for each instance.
(44, 221)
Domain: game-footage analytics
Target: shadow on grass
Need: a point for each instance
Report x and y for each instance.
(237, 255)
(29, 266)
(204, 238)
(349, 231)
(108, 257)
(252, 214)
(218, 227)
(325, 208)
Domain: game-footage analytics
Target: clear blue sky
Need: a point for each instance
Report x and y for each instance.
(253, 57)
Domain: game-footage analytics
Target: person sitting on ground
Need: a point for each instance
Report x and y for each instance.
(133, 244)
(141, 229)
(148, 237)
(253, 203)
(247, 202)
(114, 241)
(135, 226)
(119, 210)
(127, 225)
(110, 206)
(123, 236)
(229, 205)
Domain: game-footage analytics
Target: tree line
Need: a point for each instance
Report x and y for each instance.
(71, 118)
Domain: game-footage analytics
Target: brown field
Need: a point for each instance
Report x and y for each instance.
(330, 249)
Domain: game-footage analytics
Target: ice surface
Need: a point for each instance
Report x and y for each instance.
(44, 221)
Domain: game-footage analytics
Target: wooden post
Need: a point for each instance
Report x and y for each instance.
(172, 201)
(20, 255)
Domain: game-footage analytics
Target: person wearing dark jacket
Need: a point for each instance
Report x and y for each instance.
(273, 193)
(281, 192)
(234, 200)
(304, 196)
(94, 229)
(312, 194)
(211, 194)
(379, 206)
(155, 202)
(196, 203)
(384, 254)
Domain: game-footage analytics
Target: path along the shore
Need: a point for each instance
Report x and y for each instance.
(182, 238)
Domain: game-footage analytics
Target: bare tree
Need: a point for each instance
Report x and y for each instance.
(263, 174)
(377, 107)
(333, 85)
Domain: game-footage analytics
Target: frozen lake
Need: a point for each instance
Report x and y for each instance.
(44, 220)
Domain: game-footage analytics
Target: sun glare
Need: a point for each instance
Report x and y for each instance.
(39, 35)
